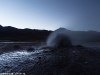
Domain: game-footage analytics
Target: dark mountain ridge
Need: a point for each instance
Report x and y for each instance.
(9, 33)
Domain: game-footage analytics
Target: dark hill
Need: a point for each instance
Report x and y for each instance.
(9, 33)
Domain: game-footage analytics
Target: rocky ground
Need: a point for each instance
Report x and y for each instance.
(75, 60)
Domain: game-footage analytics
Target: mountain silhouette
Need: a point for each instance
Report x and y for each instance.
(9, 33)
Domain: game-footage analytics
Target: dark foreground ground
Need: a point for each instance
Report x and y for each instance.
(34, 60)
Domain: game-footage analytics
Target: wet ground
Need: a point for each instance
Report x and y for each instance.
(16, 46)
(76, 60)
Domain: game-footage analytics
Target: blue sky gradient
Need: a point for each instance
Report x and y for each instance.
(51, 14)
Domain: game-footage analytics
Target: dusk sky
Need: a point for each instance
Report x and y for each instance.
(78, 15)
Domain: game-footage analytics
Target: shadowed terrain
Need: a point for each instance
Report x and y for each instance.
(58, 56)
(76, 60)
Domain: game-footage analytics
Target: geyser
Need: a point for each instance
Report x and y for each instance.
(58, 39)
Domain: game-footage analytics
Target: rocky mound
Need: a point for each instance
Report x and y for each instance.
(58, 39)
(61, 41)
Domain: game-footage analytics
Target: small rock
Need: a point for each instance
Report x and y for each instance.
(17, 47)
(30, 49)
(79, 46)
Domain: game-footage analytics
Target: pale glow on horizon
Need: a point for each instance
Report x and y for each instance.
(24, 17)
(51, 14)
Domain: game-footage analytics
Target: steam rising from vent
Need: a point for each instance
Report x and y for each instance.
(59, 39)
